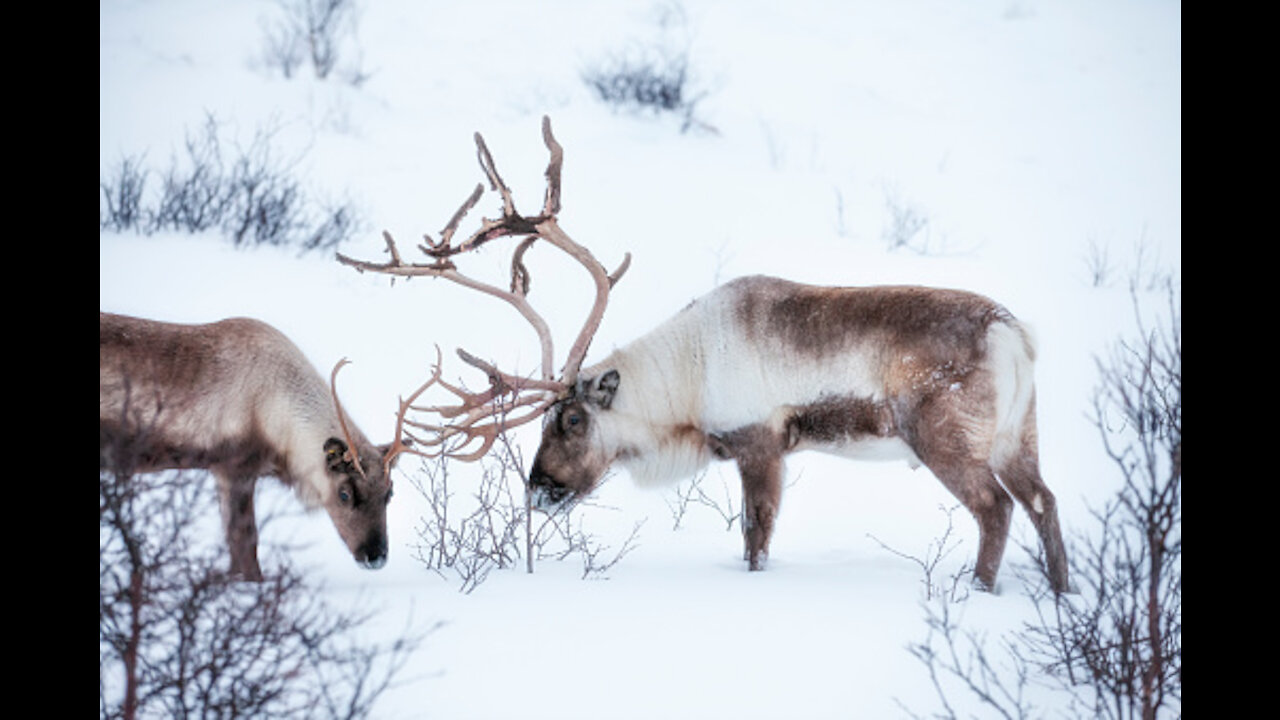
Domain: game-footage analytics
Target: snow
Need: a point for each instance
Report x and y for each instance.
(1024, 132)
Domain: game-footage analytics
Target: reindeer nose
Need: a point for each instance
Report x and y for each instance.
(547, 490)
(373, 554)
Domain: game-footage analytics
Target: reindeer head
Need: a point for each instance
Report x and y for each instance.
(571, 460)
(565, 466)
(358, 503)
(359, 476)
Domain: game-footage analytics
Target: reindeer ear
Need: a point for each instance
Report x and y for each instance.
(335, 456)
(606, 388)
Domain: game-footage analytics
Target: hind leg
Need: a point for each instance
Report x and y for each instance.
(956, 451)
(976, 487)
(1021, 475)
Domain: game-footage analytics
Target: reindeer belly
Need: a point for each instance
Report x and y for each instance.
(848, 426)
(871, 448)
(125, 447)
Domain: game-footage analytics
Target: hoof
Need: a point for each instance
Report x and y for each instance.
(983, 586)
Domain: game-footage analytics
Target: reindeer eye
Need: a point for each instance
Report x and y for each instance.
(344, 496)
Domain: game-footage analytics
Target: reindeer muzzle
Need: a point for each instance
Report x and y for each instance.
(373, 553)
(546, 493)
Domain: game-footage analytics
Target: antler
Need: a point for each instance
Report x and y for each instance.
(506, 394)
(352, 454)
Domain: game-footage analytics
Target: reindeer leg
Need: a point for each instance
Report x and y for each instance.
(1021, 475)
(1040, 504)
(235, 496)
(976, 487)
(761, 497)
(956, 451)
(758, 450)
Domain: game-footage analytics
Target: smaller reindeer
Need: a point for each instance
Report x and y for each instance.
(238, 398)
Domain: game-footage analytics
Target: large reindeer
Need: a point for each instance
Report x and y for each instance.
(238, 398)
(756, 370)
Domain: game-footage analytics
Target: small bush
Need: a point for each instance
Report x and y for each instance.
(491, 526)
(123, 196)
(252, 198)
(657, 84)
(178, 637)
(1118, 644)
(652, 76)
(315, 33)
(908, 226)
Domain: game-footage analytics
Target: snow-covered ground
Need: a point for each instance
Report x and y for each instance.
(1026, 133)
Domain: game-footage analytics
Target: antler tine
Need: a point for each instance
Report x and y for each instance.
(443, 249)
(500, 379)
(495, 180)
(551, 203)
(519, 273)
(475, 406)
(469, 431)
(399, 445)
(616, 275)
(352, 454)
(604, 281)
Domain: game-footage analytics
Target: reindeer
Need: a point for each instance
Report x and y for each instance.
(757, 370)
(238, 398)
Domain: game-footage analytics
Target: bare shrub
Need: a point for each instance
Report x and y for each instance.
(194, 197)
(250, 196)
(490, 526)
(474, 535)
(841, 225)
(337, 223)
(649, 82)
(693, 494)
(908, 226)
(1098, 264)
(178, 637)
(559, 538)
(316, 33)
(652, 75)
(1144, 270)
(1120, 639)
(950, 589)
(961, 661)
(264, 204)
(123, 193)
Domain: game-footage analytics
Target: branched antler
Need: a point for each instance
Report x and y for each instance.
(509, 400)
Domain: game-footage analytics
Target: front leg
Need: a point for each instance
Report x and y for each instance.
(761, 497)
(758, 450)
(235, 498)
